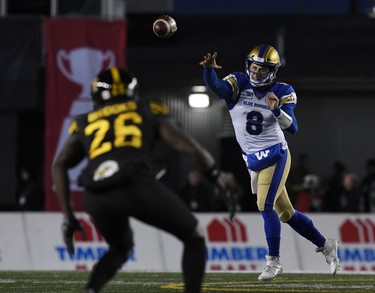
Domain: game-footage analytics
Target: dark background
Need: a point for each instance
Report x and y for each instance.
(328, 57)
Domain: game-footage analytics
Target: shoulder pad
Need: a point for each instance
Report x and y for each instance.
(232, 79)
(290, 98)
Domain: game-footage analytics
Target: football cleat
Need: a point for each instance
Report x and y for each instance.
(329, 250)
(272, 270)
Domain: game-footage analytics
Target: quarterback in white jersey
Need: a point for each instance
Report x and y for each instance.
(261, 110)
(254, 123)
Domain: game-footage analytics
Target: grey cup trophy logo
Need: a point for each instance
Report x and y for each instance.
(85, 63)
(80, 66)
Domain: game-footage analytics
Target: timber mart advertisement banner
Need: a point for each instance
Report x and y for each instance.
(77, 50)
(34, 242)
(358, 244)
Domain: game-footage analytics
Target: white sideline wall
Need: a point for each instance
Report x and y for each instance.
(33, 241)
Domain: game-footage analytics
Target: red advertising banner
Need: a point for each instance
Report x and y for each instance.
(77, 50)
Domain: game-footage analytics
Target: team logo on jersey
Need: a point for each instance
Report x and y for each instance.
(265, 158)
(105, 170)
(262, 154)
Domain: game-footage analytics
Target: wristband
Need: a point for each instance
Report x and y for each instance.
(283, 119)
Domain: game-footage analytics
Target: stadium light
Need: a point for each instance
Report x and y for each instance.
(199, 89)
(199, 98)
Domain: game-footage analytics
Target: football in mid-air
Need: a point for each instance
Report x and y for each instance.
(164, 26)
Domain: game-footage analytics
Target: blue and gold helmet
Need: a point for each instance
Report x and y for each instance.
(113, 83)
(263, 55)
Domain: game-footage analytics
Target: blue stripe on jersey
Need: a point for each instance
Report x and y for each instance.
(263, 51)
(275, 182)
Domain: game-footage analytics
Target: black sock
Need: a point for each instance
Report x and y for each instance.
(106, 269)
(193, 264)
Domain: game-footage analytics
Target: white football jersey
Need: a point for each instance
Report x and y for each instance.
(255, 126)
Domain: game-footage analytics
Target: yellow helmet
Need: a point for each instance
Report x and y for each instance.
(263, 55)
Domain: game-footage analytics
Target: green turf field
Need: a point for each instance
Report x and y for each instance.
(22, 282)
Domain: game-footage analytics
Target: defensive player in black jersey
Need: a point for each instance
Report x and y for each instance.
(117, 138)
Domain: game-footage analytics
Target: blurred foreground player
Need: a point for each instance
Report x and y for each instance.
(261, 109)
(117, 138)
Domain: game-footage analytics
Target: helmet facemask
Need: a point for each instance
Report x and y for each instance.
(113, 84)
(264, 56)
(267, 77)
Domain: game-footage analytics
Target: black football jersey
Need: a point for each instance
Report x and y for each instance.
(119, 133)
